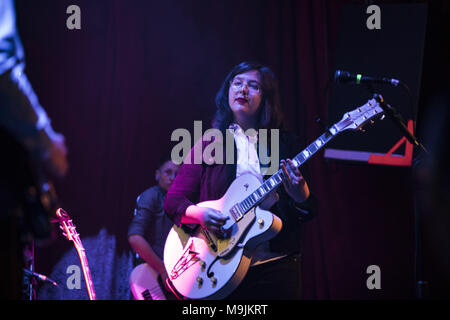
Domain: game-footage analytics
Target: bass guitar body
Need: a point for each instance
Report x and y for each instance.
(144, 283)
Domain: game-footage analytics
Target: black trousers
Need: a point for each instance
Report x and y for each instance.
(275, 280)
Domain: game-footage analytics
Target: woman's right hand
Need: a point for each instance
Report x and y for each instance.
(209, 218)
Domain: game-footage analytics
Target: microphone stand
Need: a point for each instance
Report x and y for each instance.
(29, 270)
(393, 114)
(30, 276)
(421, 286)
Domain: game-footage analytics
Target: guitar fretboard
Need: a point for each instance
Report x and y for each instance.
(276, 179)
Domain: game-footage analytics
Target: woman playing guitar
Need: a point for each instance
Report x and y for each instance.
(249, 99)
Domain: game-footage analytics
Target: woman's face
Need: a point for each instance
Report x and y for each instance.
(244, 95)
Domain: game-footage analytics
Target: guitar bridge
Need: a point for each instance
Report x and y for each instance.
(210, 241)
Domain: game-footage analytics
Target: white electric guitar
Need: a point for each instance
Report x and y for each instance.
(144, 283)
(202, 266)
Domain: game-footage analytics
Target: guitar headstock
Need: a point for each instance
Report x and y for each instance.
(356, 119)
(67, 226)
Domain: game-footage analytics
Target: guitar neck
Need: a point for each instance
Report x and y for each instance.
(276, 179)
(310, 150)
(86, 272)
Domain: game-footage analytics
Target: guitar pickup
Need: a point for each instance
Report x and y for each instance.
(236, 213)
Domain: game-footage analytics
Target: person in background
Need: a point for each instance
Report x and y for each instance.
(150, 225)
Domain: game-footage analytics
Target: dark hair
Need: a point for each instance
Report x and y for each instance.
(270, 114)
(165, 156)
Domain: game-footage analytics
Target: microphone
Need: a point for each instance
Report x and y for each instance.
(39, 276)
(345, 77)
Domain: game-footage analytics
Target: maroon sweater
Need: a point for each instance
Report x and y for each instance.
(201, 182)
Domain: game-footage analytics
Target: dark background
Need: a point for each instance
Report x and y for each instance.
(378, 53)
(137, 70)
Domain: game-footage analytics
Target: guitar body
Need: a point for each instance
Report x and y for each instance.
(199, 269)
(144, 283)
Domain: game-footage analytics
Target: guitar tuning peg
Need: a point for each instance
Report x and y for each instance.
(372, 122)
(382, 117)
(362, 130)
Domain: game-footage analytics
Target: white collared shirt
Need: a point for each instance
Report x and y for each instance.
(248, 162)
(247, 156)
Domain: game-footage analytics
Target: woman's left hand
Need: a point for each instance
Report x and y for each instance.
(294, 183)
